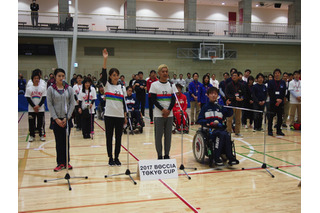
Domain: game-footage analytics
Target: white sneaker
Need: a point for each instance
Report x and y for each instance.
(42, 138)
(31, 139)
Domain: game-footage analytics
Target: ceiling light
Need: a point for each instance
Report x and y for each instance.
(223, 3)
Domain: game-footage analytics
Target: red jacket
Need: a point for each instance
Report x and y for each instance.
(183, 103)
(149, 82)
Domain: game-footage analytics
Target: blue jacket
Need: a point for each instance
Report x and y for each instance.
(132, 103)
(259, 93)
(202, 97)
(194, 89)
(276, 90)
(213, 111)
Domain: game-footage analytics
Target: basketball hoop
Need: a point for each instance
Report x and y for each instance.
(214, 59)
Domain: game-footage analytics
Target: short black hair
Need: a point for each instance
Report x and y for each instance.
(212, 90)
(296, 72)
(240, 73)
(56, 71)
(277, 70)
(179, 85)
(79, 75)
(233, 69)
(248, 70)
(251, 78)
(128, 87)
(260, 74)
(226, 73)
(140, 72)
(153, 71)
(195, 74)
(235, 73)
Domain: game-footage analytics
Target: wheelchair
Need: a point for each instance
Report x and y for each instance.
(202, 147)
(135, 124)
(176, 127)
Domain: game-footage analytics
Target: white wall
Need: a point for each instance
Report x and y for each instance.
(110, 12)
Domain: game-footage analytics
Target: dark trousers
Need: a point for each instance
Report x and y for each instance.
(141, 99)
(116, 124)
(77, 117)
(33, 116)
(258, 116)
(34, 18)
(221, 144)
(61, 142)
(150, 108)
(275, 111)
(247, 115)
(87, 125)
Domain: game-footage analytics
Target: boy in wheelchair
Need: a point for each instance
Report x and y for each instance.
(212, 117)
(177, 112)
(133, 108)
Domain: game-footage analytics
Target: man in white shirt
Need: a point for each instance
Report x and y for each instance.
(295, 98)
(174, 80)
(214, 81)
(188, 80)
(247, 73)
(181, 81)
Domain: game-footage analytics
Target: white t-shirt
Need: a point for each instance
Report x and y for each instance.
(77, 89)
(296, 87)
(83, 97)
(114, 100)
(214, 83)
(36, 93)
(164, 92)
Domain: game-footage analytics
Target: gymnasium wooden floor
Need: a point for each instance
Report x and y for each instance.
(209, 190)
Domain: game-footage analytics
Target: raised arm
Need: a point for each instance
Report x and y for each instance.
(104, 77)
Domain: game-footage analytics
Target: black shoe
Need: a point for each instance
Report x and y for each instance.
(280, 133)
(160, 158)
(166, 157)
(270, 133)
(284, 125)
(233, 162)
(111, 162)
(117, 162)
(218, 162)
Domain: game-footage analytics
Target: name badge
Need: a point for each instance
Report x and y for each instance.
(277, 93)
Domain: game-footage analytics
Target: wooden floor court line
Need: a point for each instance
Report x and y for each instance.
(181, 198)
(102, 204)
(270, 156)
(21, 117)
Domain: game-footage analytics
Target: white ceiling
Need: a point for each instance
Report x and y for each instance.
(268, 4)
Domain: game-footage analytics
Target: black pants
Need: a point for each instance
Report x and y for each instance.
(33, 116)
(77, 117)
(150, 108)
(116, 124)
(61, 143)
(275, 111)
(247, 114)
(221, 144)
(141, 99)
(34, 18)
(258, 116)
(87, 125)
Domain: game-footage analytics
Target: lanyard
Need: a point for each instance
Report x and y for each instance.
(235, 87)
(277, 85)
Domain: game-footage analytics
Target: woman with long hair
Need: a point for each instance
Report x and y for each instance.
(87, 97)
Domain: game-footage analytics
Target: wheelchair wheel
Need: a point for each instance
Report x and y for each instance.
(199, 147)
